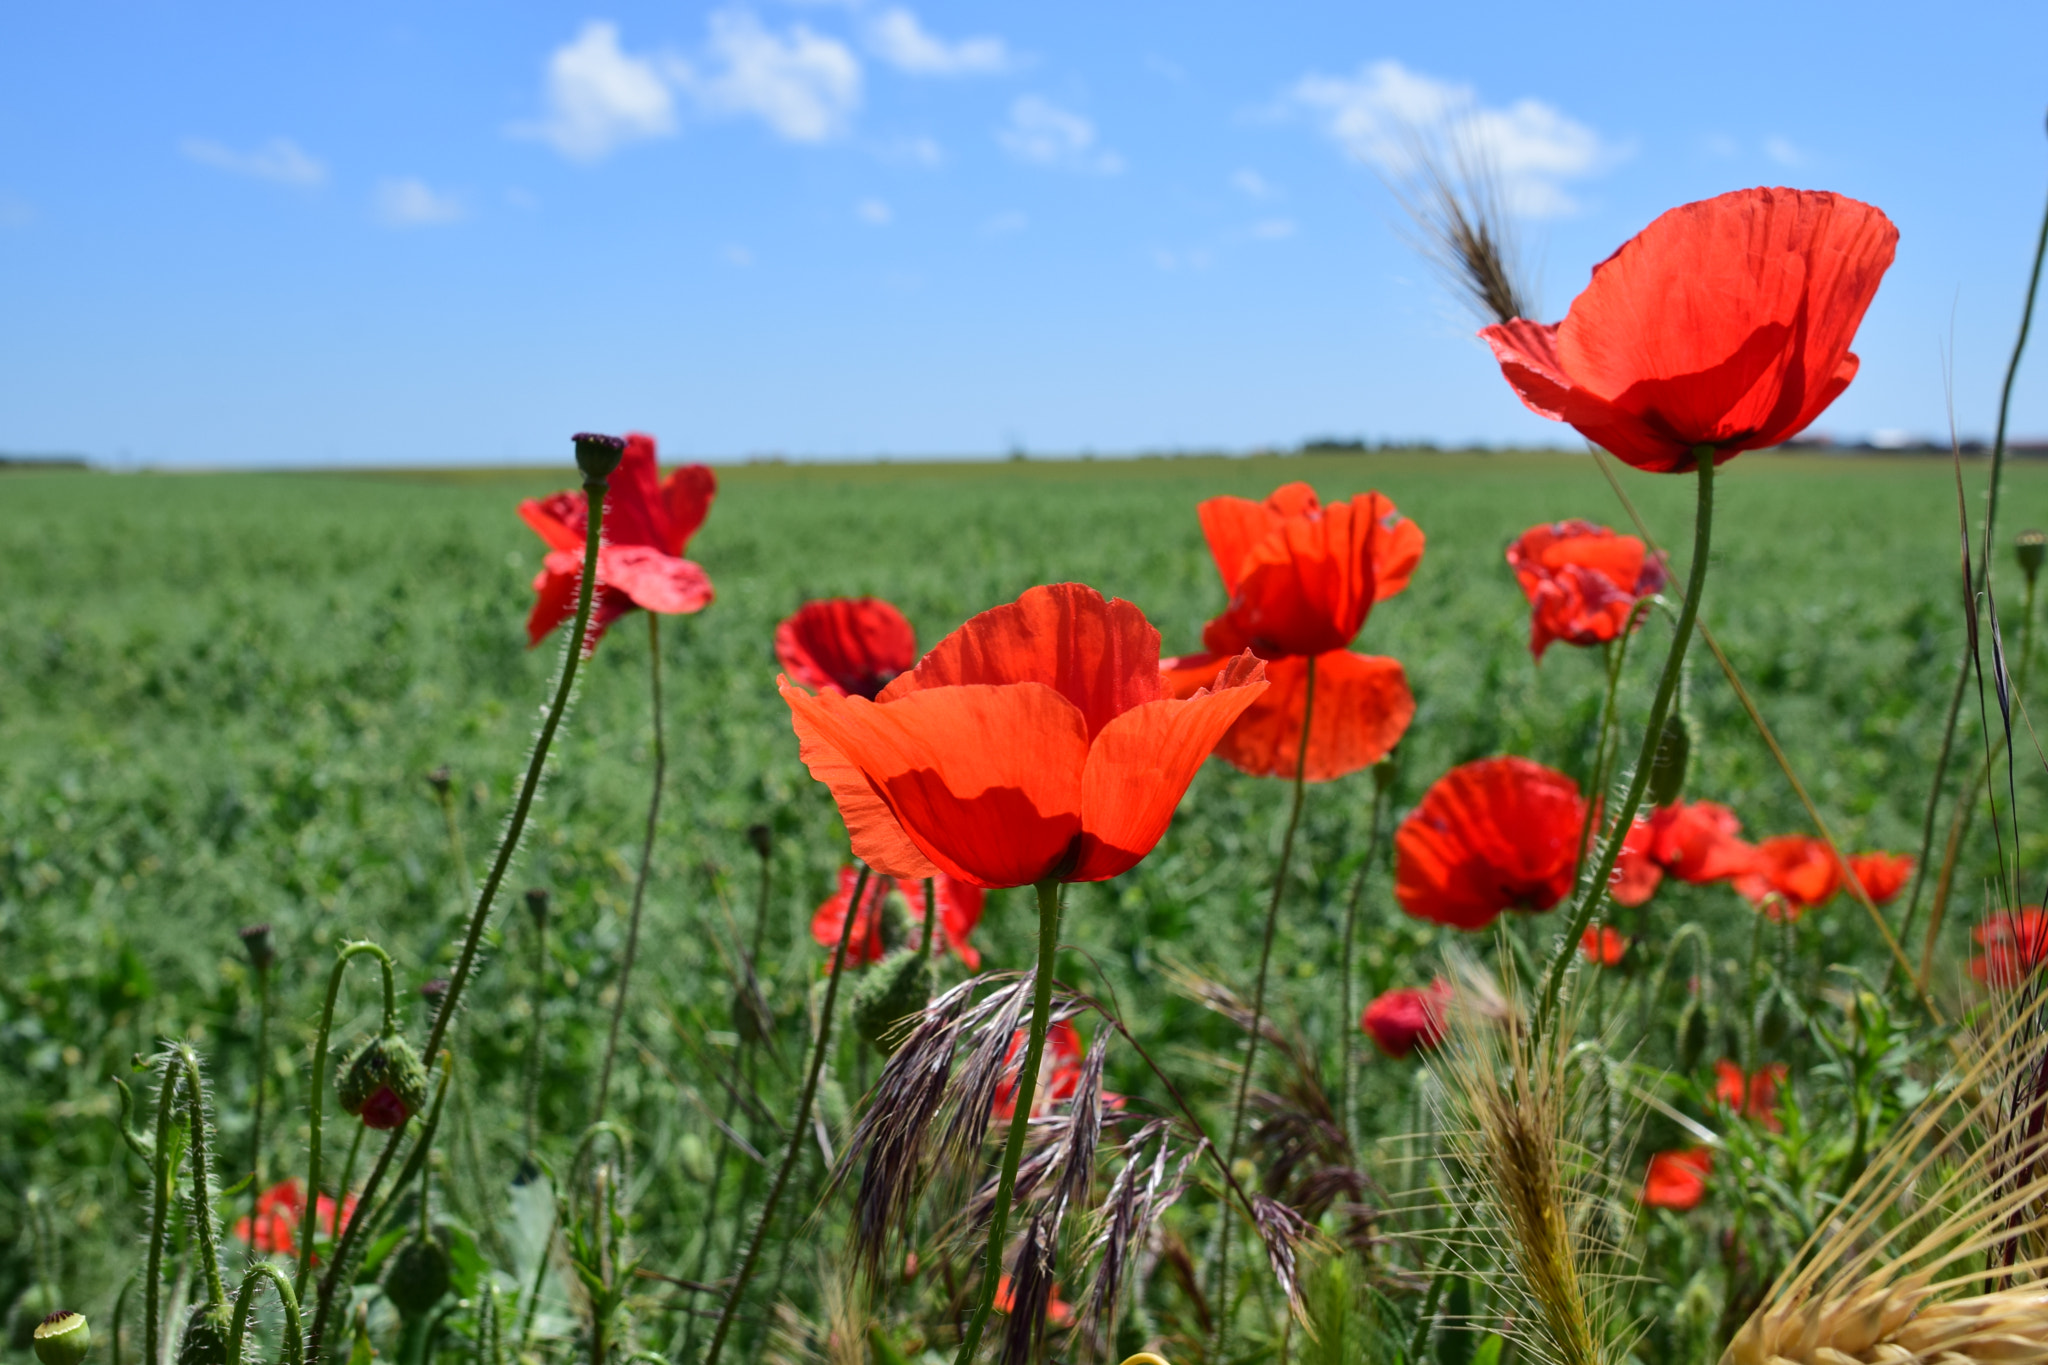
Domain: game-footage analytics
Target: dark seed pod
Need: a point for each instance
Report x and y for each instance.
(1694, 1028)
(206, 1336)
(63, 1338)
(597, 456)
(890, 996)
(381, 1081)
(763, 840)
(537, 905)
(2030, 548)
(1674, 753)
(256, 942)
(418, 1276)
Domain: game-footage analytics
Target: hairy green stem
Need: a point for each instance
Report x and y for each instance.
(316, 1101)
(163, 1179)
(201, 1198)
(611, 1042)
(292, 1348)
(1348, 1024)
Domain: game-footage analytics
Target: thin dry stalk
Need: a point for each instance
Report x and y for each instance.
(1456, 200)
(1137, 1196)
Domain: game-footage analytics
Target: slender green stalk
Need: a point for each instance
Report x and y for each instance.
(1347, 1073)
(120, 1315)
(536, 1040)
(201, 1198)
(1020, 1116)
(348, 1175)
(611, 1042)
(316, 1102)
(256, 1120)
(1595, 894)
(291, 1350)
(931, 917)
(797, 1134)
(163, 1179)
(1606, 744)
(445, 798)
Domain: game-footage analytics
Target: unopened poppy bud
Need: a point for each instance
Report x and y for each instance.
(63, 1338)
(256, 943)
(417, 1277)
(432, 991)
(381, 1082)
(439, 780)
(763, 840)
(889, 998)
(597, 456)
(2031, 548)
(537, 905)
(1693, 1028)
(1674, 752)
(206, 1336)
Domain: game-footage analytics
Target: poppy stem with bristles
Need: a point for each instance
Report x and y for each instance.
(1595, 893)
(611, 1042)
(1020, 1116)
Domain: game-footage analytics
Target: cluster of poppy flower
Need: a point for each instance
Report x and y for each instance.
(274, 1227)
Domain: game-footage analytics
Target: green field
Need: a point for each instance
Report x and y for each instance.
(220, 694)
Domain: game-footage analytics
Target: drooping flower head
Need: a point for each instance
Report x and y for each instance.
(648, 523)
(1492, 835)
(1754, 1096)
(854, 646)
(1405, 1018)
(1791, 874)
(1033, 743)
(959, 905)
(1725, 322)
(2015, 945)
(1882, 875)
(1677, 1180)
(1582, 581)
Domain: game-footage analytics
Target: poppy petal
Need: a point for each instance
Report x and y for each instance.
(654, 580)
(554, 594)
(633, 511)
(1396, 549)
(878, 840)
(560, 519)
(1307, 587)
(1496, 834)
(1233, 525)
(686, 495)
(1527, 352)
(1363, 707)
(852, 645)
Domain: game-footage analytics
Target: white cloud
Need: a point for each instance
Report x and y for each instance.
(802, 84)
(599, 96)
(1273, 229)
(912, 151)
(897, 38)
(1005, 224)
(1044, 134)
(738, 255)
(1377, 115)
(1250, 182)
(874, 212)
(1782, 151)
(411, 202)
(280, 161)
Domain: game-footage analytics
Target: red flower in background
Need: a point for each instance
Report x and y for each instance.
(275, 1226)
(2014, 946)
(1058, 1311)
(1302, 578)
(1032, 743)
(959, 905)
(1726, 323)
(1059, 1070)
(1498, 834)
(1754, 1097)
(1603, 944)
(1403, 1019)
(1636, 875)
(1698, 842)
(1792, 874)
(1883, 875)
(1582, 581)
(851, 646)
(1677, 1180)
(647, 526)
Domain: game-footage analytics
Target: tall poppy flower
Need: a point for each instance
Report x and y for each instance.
(648, 523)
(1582, 581)
(1492, 835)
(1302, 577)
(1882, 875)
(1725, 322)
(1792, 874)
(1699, 842)
(1754, 1096)
(1677, 1180)
(1031, 745)
(1405, 1018)
(2015, 945)
(852, 646)
(959, 905)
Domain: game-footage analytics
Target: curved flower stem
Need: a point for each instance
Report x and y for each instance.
(1020, 1116)
(293, 1346)
(1347, 1025)
(793, 1151)
(316, 1104)
(163, 1179)
(574, 647)
(611, 1042)
(1595, 893)
(202, 1190)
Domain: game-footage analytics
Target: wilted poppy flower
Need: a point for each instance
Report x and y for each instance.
(1699, 842)
(854, 646)
(1582, 581)
(1792, 874)
(2014, 946)
(1034, 743)
(1677, 1180)
(1403, 1019)
(1603, 944)
(1059, 1071)
(1754, 1097)
(1058, 1311)
(1497, 834)
(647, 526)
(1882, 875)
(1725, 323)
(275, 1226)
(959, 906)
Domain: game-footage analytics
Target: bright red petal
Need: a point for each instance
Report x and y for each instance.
(686, 496)
(1232, 526)
(1488, 836)
(851, 645)
(634, 513)
(654, 580)
(878, 840)
(1363, 707)
(1307, 587)
(1882, 875)
(560, 519)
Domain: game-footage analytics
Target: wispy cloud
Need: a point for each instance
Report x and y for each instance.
(600, 97)
(899, 39)
(1044, 134)
(803, 85)
(1782, 151)
(921, 150)
(873, 212)
(1008, 223)
(1377, 114)
(408, 201)
(1273, 229)
(280, 161)
(1249, 182)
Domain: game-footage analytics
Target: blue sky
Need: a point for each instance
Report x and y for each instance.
(382, 233)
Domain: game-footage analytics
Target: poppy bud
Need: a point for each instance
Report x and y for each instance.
(256, 943)
(1774, 1019)
(2031, 547)
(438, 780)
(597, 456)
(1674, 752)
(417, 1277)
(537, 905)
(889, 998)
(1693, 1028)
(63, 1338)
(206, 1336)
(381, 1081)
(432, 991)
(763, 840)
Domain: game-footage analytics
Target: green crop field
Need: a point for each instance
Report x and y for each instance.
(220, 696)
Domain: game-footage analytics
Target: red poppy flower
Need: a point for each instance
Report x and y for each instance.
(851, 646)
(1498, 834)
(1677, 1180)
(1724, 323)
(1582, 581)
(1034, 742)
(1882, 875)
(2014, 946)
(1058, 1311)
(1603, 944)
(647, 526)
(275, 1226)
(1698, 842)
(1059, 1070)
(959, 911)
(1636, 875)
(1363, 707)
(1401, 1020)
(1792, 874)
(1754, 1097)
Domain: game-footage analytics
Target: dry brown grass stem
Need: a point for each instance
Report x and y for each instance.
(1455, 198)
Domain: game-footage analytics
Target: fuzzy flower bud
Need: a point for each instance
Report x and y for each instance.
(417, 1277)
(2031, 547)
(1674, 752)
(537, 905)
(381, 1081)
(63, 1338)
(597, 456)
(889, 998)
(206, 1336)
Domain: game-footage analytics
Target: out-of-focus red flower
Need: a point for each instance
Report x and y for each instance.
(1058, 1311)
(1302, 577)
(1699, 842)
(1791, 875)
(1492, 835)
(852, 646)
(275, 1227)
(1677, 1180)
(1753, 1097)
(1725, 322)
(647, 526)
(1603, 944)
(959, 912)
(1408, 1017)
(1059, 1070)
(2015, 945)
(1033, 743)
(1883, 875)
(1582, 581)
(1636, 875)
